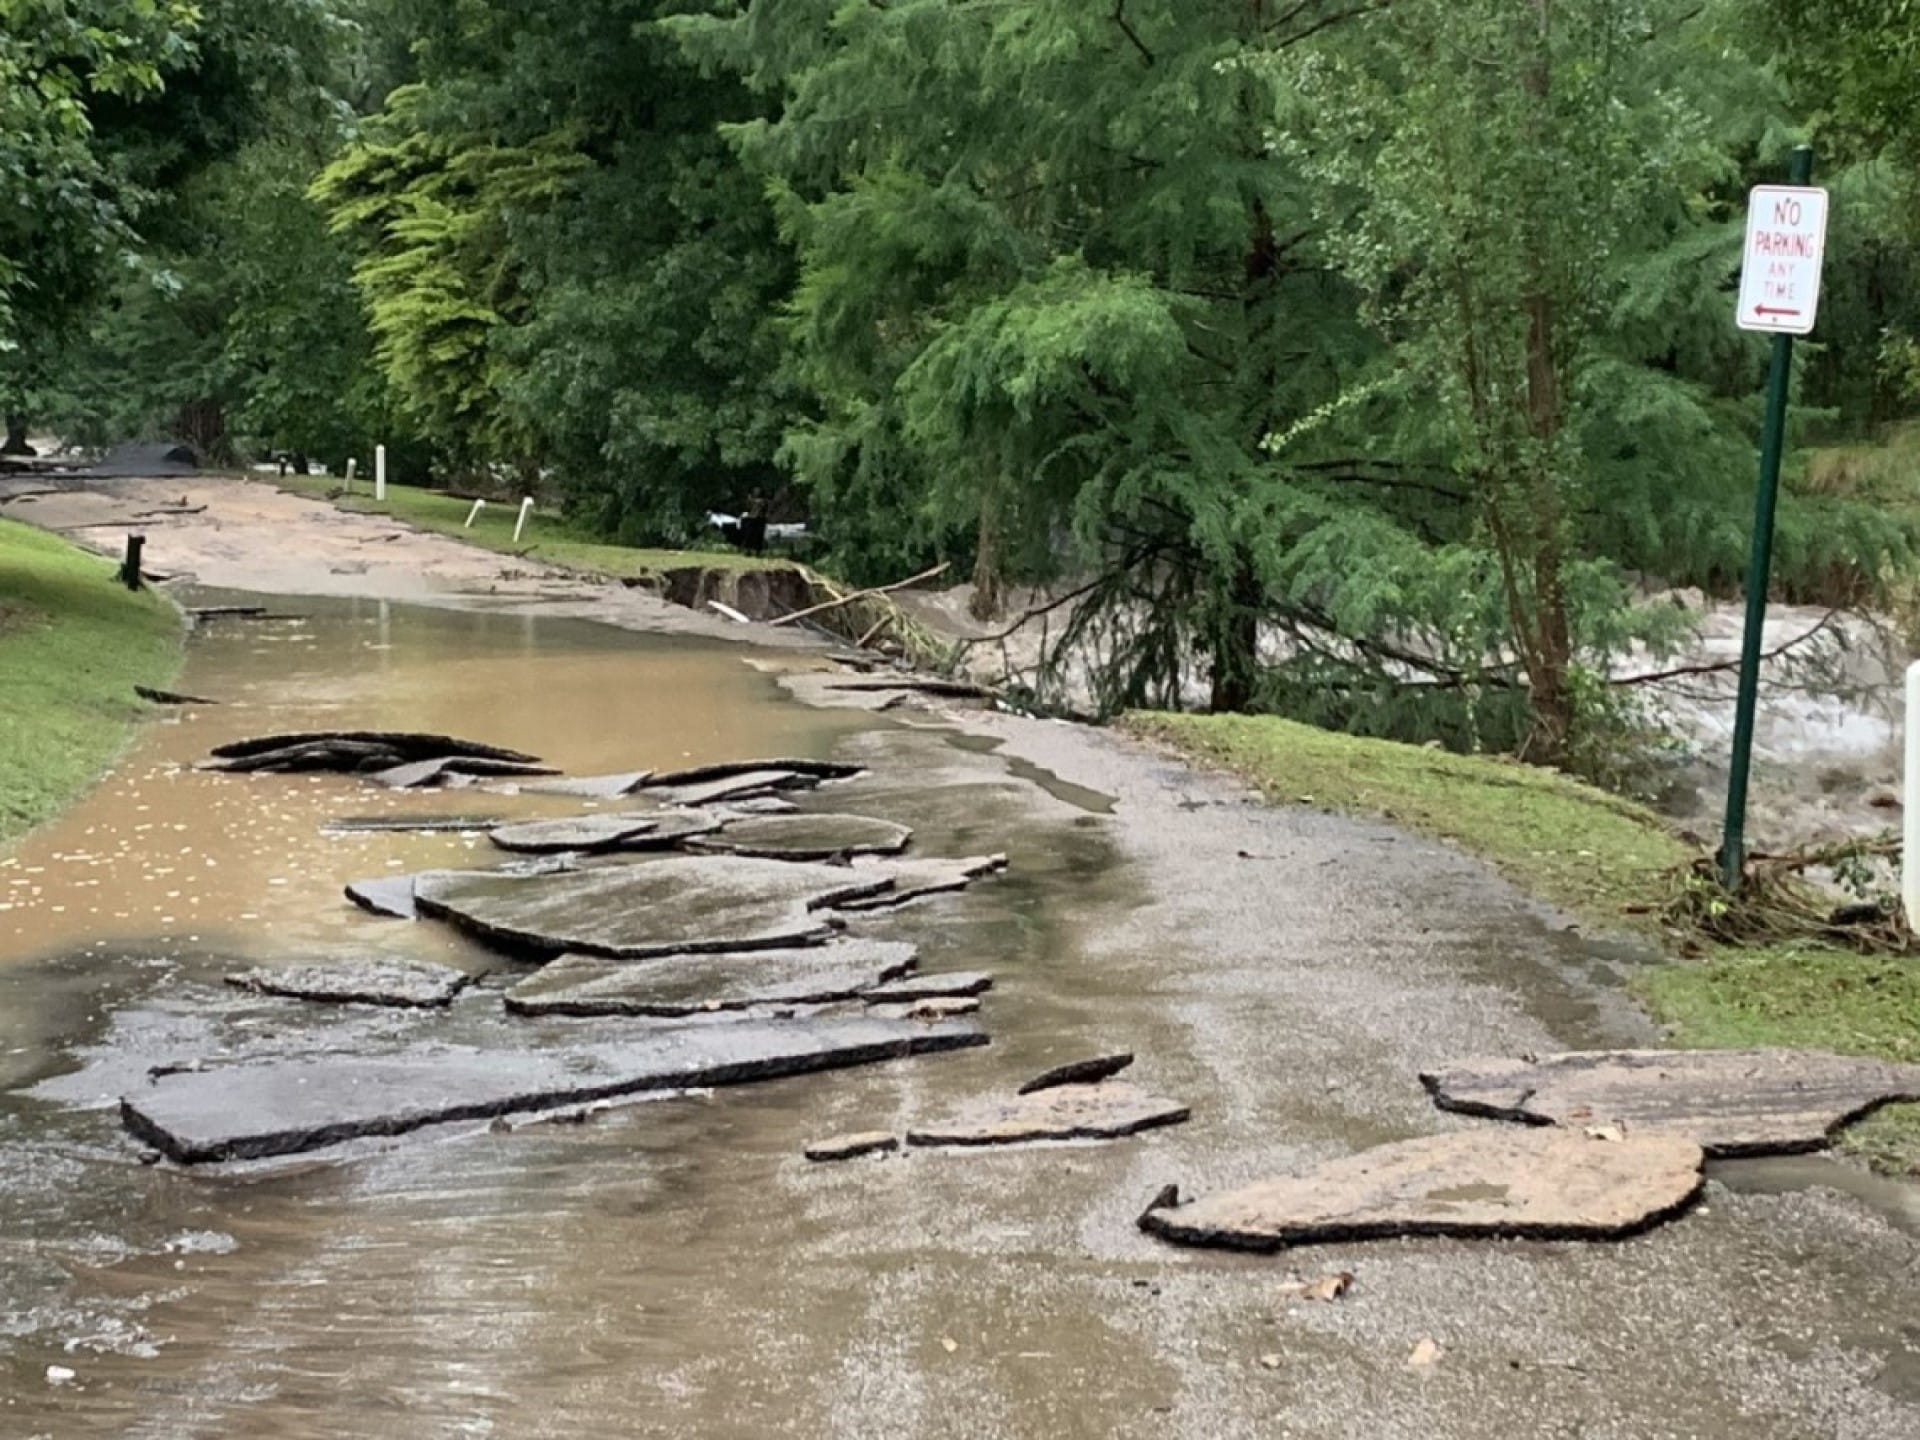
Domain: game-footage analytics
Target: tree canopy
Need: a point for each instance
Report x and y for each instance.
(1367, 363)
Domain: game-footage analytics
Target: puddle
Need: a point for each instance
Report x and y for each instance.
(1897, 1201)
(177, 859)
(1079, 796)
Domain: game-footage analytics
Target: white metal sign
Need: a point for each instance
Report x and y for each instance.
(1786, 242)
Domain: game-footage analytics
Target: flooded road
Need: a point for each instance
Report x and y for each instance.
(675, 1268)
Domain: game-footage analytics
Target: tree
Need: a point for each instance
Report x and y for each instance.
(109, 111)
(564, 268)
(64, 206)
(1053, 282)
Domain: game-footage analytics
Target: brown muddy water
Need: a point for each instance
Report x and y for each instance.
(565, 1281)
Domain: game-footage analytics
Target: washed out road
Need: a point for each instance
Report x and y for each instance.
(678, 1268)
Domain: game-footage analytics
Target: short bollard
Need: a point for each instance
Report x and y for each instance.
(130, 567)
(526, 510)
(474, 513)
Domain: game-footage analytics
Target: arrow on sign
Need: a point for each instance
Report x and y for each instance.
(1772, 310)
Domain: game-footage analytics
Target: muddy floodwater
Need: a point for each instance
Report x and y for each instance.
(551, 1281)
(675, 1268)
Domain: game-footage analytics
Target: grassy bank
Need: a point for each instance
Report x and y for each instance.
(73, 644)
(547, 537)
(1602, 859)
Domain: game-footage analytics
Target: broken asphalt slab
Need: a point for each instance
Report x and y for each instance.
(691, 984)
(747, 785)
(1079, 1072)
(389, 896)
(733, 769)
(648, 830)
(1067, 1112)
(443, 769)
(1535, 1184)
(409, 745)
(404, 984)
(412, 824)
(910, 988)
(805, 837)
(590, 787)
(248, 1112)
(910, 880)
(680, 905)
(1729, 1102)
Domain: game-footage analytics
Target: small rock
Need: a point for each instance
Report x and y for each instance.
(61, 1375)
(1425, 1352)
(847, 1147)
(1325, 1288)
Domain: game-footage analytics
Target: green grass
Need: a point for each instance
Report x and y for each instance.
(73, 644)
(1604, 859)
(547, 537)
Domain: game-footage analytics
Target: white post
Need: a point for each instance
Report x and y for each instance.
(474, 513)
(526, 509)
(351, 463)
(379, 472)
(1910, 820)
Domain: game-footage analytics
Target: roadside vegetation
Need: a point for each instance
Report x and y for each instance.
(1612, 865)
(73, 644)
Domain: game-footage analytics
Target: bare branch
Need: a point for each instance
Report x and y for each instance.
(1722, 666)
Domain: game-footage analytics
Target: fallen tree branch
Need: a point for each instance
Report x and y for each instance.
(836, 603)
(1034, 612)
(1720, 667)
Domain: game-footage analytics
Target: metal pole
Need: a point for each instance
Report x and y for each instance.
(1759, 569)
(1910, 819)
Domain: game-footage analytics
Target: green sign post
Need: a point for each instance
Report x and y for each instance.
(1779, 294)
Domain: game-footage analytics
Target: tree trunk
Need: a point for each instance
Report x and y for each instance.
(202, 424)
(1552, 651)
(989, 583)
(1236, 641)
(16, 443)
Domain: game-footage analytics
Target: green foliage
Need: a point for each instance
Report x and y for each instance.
(65, 206)
(432, 214)
(564, 269)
